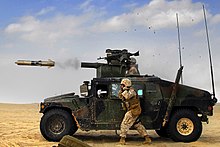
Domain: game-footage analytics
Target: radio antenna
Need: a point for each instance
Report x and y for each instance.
(178, 34)
(210, 56)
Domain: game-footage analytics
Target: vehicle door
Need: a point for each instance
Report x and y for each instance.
(116, 111)
(151, 103)
(100, 103)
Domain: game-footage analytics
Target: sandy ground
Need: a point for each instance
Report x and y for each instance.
(19, 126)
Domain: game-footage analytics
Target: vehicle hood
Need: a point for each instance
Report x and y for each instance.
(63, 97)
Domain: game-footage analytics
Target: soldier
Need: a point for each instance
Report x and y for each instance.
(133, 70)
(132, 104)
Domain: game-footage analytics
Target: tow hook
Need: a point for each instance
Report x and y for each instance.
(204, 118)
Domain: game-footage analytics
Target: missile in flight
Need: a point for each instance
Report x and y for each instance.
(48, 63)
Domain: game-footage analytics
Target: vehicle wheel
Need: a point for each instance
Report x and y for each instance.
(56, 123)
(185, 126)
(163, 132)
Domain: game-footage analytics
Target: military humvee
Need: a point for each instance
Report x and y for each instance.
(171, 109)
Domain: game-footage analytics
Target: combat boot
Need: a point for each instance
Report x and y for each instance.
(147, 140)
(122, 141)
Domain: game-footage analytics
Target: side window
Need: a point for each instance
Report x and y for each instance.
(115, 87)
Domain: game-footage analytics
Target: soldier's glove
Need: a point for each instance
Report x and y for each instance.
(125, 94)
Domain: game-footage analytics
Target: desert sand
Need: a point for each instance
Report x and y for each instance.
(19, 127)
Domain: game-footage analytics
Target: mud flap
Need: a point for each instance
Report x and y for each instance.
(70, 141)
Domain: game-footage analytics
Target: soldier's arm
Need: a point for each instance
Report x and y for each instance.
(120, 94)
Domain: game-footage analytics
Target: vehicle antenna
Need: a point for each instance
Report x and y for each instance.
(209, 49)
(178, 34)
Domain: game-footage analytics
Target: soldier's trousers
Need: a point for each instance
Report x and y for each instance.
(128, 122)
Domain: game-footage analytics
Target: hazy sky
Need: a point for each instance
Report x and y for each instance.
(69, 32)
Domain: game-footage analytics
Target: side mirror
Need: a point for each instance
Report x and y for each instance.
(84, 90)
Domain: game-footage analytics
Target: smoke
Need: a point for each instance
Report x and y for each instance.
(69, 64)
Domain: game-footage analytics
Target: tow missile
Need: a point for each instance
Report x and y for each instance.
(48, 63)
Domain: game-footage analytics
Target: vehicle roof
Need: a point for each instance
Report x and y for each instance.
(132, 77)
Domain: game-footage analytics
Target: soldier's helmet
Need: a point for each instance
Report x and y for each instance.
(126, 82)
(133, 60)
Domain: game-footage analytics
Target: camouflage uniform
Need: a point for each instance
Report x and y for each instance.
(132, 105)
(133, 70)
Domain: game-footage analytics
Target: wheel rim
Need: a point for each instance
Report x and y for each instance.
(57, 125)
(185, 126)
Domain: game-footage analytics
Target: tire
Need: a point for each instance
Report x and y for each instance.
(163, 132)
(57, 123)
(185, 126)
